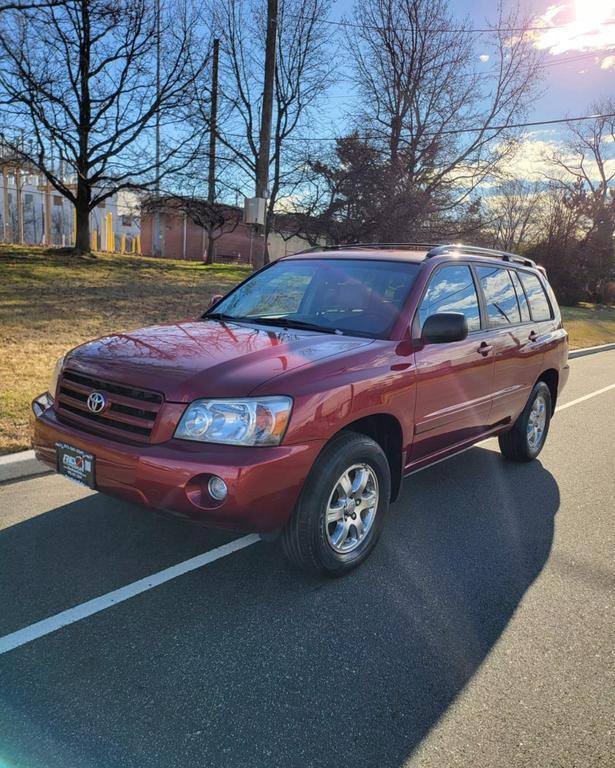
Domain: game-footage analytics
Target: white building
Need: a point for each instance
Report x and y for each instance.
(43, 207)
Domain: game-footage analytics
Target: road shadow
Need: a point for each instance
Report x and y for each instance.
(85, 548)
(248, 663)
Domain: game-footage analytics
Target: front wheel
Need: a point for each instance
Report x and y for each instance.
(528, 434)
(341, 511)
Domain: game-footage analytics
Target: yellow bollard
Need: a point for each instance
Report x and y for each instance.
(138, 244)
(94, 236)
(74, 226)
(122, 243)
(110, 235)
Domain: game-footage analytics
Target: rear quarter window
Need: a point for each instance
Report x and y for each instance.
(536, 296)
(521, 297)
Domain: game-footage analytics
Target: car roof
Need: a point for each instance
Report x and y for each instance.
(368, 254)
(415, 254)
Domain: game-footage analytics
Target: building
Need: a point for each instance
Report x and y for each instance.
(181, 238)
(35, 213)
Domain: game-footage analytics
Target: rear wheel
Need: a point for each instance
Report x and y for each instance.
(529, 432)
(340, 514)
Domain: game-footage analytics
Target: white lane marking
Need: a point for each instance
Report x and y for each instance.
(82, 611)
(70, 616)
(585, 397)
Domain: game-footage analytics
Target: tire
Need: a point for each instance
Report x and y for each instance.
(522, 443)
(350, 461)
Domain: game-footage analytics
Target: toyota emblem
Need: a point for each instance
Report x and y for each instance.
(97, 402)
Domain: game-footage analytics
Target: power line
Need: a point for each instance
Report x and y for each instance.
(571, 59)
(456, 131)
(490, 76)
(478, 30)
(526, 125)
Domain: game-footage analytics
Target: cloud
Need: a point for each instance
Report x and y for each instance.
(484, 57)
(608, 63)
(532, 162)
(585, 25)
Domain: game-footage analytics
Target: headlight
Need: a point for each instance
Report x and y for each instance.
(53, 384)
(247, 421)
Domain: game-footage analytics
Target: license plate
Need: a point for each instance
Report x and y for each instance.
(75, 464)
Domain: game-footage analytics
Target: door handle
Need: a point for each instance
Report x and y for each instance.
(484, 348)
(533, 336)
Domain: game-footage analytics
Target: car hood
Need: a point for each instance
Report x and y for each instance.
(205, 358)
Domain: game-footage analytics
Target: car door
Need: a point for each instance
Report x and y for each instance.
(454, 380)
(517, 355)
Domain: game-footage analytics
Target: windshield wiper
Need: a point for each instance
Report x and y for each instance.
(282, 322)
(285, 322)
(219, 316)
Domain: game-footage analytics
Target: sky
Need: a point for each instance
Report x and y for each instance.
(577, 28)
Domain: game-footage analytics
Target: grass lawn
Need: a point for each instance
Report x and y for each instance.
(50, 302)
(589, 324)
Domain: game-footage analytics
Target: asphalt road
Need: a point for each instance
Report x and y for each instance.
(479, 633)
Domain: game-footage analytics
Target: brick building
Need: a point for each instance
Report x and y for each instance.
(181, 238)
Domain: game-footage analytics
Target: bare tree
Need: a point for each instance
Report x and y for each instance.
(302, 74)
(78, 79)
(588, 156)
(514, 208)
(441, 124)
(26, 5)
(584, 172)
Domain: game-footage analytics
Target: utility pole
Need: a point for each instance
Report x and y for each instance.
(262, 165)
(213, 127)
(156, 228)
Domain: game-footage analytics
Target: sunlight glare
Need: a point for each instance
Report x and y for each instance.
(586, 31)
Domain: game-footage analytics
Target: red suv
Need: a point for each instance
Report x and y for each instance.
(298, 402)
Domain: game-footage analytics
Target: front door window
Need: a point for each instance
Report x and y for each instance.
(452, 289)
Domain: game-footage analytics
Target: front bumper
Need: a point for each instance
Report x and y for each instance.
(263, 483)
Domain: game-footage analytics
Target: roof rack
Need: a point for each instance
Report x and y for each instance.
(356, 246)
(431, 248)
(438, 250)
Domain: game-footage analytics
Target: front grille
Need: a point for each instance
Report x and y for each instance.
(131, 414)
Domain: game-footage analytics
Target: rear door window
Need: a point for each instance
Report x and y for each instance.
(539, 304)
(521, 297)
(500, 296)
(452, 289)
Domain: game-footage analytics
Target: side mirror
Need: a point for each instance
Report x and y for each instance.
(215, 299)
(444, 327)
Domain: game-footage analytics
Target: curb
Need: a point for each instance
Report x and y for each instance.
(590, 350)
(19, 466)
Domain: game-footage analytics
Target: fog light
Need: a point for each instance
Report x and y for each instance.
(42, 403)
(217, 488)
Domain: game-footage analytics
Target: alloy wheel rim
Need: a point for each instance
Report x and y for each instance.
(351, 509)
(536, 422)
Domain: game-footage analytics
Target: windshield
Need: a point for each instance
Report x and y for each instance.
(360, 298)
